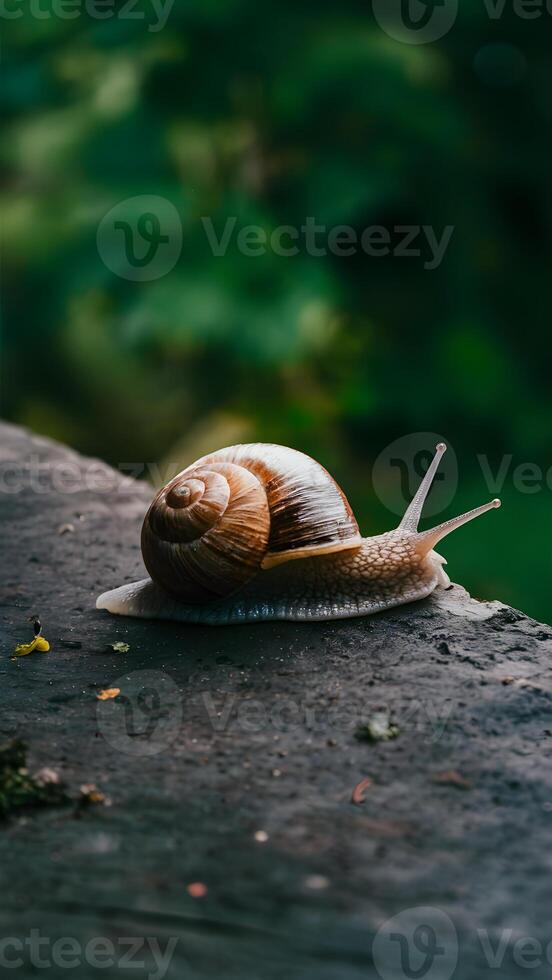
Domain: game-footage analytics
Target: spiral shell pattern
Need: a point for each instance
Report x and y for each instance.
(233, 512)
(206, 533)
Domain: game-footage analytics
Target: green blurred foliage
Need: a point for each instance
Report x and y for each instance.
(272, 112)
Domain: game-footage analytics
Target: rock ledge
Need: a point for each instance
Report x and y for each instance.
(236, 762)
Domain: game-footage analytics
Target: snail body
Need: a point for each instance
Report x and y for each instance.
(260, 532)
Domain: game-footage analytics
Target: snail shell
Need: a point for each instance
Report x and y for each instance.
(235, 511)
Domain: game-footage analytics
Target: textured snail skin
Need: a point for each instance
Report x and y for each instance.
(383, 572)
(258, 533)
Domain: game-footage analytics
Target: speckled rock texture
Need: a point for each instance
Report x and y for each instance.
(230, 757)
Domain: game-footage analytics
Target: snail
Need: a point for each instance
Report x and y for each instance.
(260, 532)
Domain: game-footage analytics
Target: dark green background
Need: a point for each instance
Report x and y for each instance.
(273, 112)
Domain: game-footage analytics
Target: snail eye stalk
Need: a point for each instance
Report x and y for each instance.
(413, 513)
(426, 540)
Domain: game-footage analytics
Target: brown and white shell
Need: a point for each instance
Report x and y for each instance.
(240, 509)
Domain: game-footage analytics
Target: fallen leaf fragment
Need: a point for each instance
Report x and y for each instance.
(452, 778)
(66, 529)
(23, 649)
(90, 795)
(316, 883)
(47, 777)
(120, 647)
(38, 643)
(378, 728)
(359, 793)
(107, 693)
(196, 889)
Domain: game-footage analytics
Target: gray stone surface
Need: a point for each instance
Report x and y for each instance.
(246, 729)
